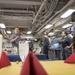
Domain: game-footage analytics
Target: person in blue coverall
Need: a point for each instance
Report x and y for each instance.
(66, 41)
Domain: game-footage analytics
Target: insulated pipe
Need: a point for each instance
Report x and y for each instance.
(19, 2)
(17, 11)
(39, 11)
(49, 12)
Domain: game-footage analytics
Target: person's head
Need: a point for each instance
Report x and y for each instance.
(73, 17)
(44, 34)
(64, 34)
(16, 31)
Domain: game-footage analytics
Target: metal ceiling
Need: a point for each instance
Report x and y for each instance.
(33, 15)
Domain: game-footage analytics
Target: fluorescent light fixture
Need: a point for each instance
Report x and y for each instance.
(67, 25)
(67, 13)
(48, 26)
(35, 39)
(51, 33)
(2, 25)
(28, 37)
(29, 32)
(9, 32)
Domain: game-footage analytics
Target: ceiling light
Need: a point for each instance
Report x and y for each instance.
(67, 13)
(51, 33)
(2, 25)
(28, 37)
(29, 32)
(9, 32)
(35, 39)
(48, 26)
(67, 25)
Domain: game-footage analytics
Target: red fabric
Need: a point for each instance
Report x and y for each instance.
(32, 66)
(71, 58)
(4, 60)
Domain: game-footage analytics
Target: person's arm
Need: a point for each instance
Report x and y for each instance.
(14, 39)
(69, 46)
(68, 40)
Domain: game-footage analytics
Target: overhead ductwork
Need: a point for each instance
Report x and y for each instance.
(42, 5)
(41, 29)
(20, 2)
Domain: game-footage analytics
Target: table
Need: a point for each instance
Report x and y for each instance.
(51, 67)
(13, 57)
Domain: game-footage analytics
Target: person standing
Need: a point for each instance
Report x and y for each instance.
(72, 43)
(66, 41)
(15, 38)
(46, 45)
(73, 39)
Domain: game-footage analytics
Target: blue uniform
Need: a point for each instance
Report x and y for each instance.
(66, 42)
(65, 51)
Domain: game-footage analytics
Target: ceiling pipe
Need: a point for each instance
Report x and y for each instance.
(52, 6)
(58, 12)
(20, 25)
(66, 6)
(59, 19)
(18, 11)
(49, 12)
(39, 11)
(20, 2)
(6, 17)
